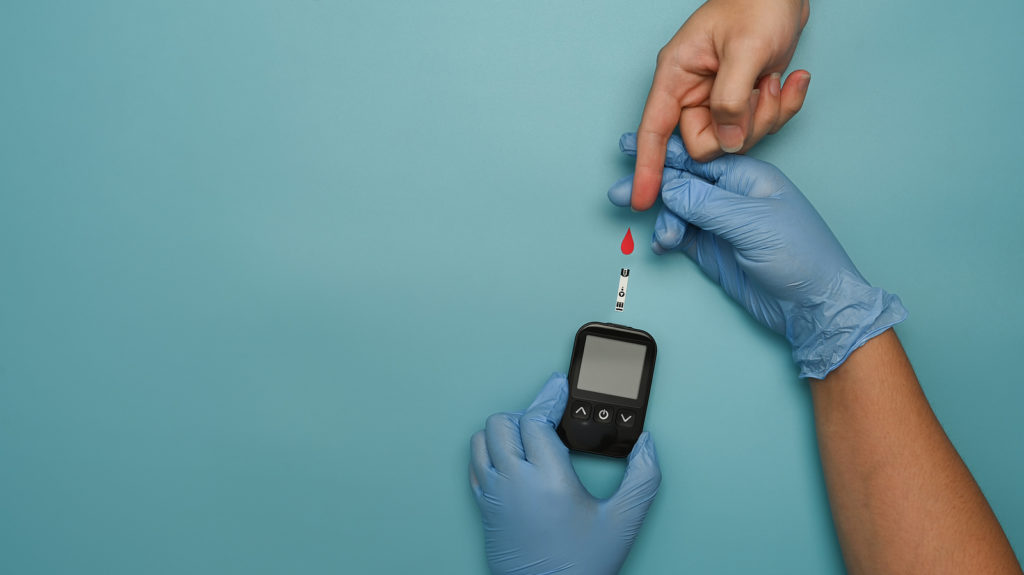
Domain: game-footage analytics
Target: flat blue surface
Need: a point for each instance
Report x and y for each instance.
(266, 266)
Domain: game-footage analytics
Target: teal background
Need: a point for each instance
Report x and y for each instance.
(266, 266)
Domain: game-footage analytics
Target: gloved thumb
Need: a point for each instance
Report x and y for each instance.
(630, 503)
(541, 443)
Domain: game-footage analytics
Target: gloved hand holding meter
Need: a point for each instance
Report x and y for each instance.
(751, 231)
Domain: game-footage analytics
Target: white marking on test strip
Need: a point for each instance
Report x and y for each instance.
(620, 300)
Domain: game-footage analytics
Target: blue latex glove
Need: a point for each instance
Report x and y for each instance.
(538, 517)
(752, 231)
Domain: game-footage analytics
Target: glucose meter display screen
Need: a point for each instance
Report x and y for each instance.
(611, 366)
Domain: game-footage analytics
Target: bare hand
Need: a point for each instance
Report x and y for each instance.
(719, 80)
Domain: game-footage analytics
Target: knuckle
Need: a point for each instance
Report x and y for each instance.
(770, 110)
(645, 134)
(791, 108)
(776, 174)
(497, 420)
(754, 44)
(662, 56)
(730, 106)
(667, 236)
(752, 140)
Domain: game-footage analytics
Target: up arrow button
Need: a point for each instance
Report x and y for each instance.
(581, 410)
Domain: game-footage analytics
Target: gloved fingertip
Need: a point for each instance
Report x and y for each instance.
(559, 382)
(627, 143)
(668, 230)
(550, 402)
(672, 188)
(557, 375)
(642, 479)
(675, 152)
(656, 248)
(644, 450)
(642, 442)
(621, 192)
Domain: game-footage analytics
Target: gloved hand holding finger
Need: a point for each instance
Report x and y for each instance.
(752, 232)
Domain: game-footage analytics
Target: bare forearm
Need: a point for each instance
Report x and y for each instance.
(902, 499)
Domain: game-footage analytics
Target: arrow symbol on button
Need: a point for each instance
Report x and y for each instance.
(581, 409)
(624, 418)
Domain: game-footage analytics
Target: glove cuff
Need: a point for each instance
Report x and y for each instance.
(824, 334)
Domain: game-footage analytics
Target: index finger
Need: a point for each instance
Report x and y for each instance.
(661, 113)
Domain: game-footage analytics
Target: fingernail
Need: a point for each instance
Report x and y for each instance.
(775, 84)
(730, 138)
(804, 82)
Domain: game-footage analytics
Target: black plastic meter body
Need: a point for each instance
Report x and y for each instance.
(609, 383)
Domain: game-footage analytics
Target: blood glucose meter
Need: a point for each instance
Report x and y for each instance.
(609, 384)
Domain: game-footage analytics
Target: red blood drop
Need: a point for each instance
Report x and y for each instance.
(627, 243)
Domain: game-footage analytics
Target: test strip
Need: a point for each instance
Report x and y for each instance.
(620, 301)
